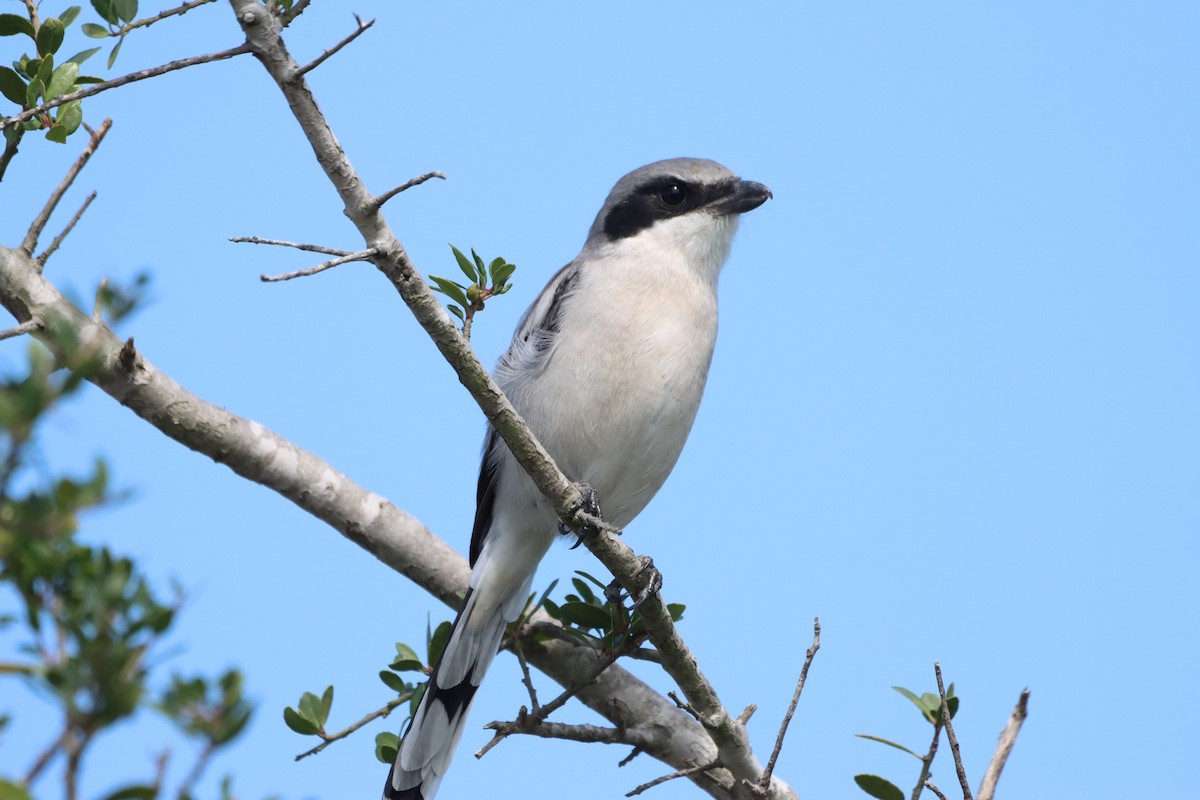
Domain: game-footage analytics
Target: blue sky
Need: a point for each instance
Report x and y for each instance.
(953, 409)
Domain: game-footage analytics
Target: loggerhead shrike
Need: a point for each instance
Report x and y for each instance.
(607, 367)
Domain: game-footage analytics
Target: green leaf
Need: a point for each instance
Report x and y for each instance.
(585, 591)
(11, 791)
(112, 57)
(310, 709)
(298, 723)
(952, 706)
(32, 92)
(552, 609)
(501, 275)
(11, 25)
(888, 742)
(437, 643)
(126, 9)
(11, 86)
(57, 134)
(479, 267)
(393, 681)
(466, 266)
(386, 745)
(94, 31)
(406, 660)
(68, 16)
(586, 615)
(878, 787)
(83, 55)
(456, 311)
(454, 291)
(62, 80)
(326, 703)
(919, 703)
(676, 611)
(133, 793)
(50, 36)
(105, 9)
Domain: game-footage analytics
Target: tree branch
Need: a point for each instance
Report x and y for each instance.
(70, 226)
(1008, 738)
(362, 255)
(140, 75)
(378, 713)
(319, 60)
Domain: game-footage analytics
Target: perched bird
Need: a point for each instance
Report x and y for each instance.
(607, 367)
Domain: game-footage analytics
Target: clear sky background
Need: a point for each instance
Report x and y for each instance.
(954, 409)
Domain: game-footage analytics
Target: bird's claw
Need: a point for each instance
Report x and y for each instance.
(614, 593)
(589, 505)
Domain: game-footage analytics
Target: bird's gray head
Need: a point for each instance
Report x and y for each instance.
(670, 189)
(686, 205)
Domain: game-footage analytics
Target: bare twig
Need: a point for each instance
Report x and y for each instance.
(39, 222)
(193, 777)
(98, 303)
(29, 326)
(526, 678)
(764, 782)
(140, 75)
(170, 12)
(297, 9)
(11, 143)
(526, 721)
(417, 181)
(746, 714)
(933, 788)
(361, 255)
(683, 773)
(927, 760)
(316, 62)
(45, 757)
(958, 765)
(378, 713)
(1008, 738)
(312, 248)
(58, 240)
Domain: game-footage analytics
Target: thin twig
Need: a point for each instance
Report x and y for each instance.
(58, 240)
(1008, 738)
(140, 75)
(29, 326)
(171, 12)
(316, 62)
(927, 760)
(312, 248)
(958, 765)
(526, 678)
(378, 713)
(286, 18)
(417, 181)
(683, 773)
(764, 783)
(11, 143)
(98, 303)
(746, 714)
(361, 255)
(186, 788)
(634, 753)
(527, 720)
(933, 788)
(39, 222)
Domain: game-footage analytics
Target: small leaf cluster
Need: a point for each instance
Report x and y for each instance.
(311, 714)
(118, 14)
(214, 712)
(596, 620)
(486, 281)
(930, 706)
(36, 78)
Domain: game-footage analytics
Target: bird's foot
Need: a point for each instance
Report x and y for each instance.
(587, 511)
(614, 593)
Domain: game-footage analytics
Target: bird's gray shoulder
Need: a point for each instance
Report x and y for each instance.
(533, 342)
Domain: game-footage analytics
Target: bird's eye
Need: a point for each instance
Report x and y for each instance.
(673, 194)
